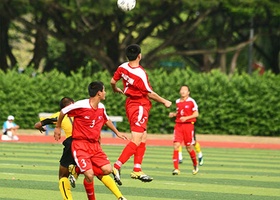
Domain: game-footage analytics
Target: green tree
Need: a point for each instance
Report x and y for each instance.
(203, 34)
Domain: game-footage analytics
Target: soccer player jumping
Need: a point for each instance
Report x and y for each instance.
(138, 92)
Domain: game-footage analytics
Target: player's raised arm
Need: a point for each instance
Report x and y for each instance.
(40, 125)
(114, 86)
(111, 126)
(156, 97)
(57, 130)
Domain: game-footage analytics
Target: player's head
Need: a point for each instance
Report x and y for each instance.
(185, 91)
(65, 101)
(132, 51)
(95, 87)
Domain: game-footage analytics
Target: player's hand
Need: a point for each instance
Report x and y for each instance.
(118, 90)
(167, 103)
(172, 114)
(122, 136)
(42, 129)
(183, 119)
(57, 134)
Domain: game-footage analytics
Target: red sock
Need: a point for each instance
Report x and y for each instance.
(193, 157)
(176, 159)
(89, 190)
(127, 152)
(139, 156)
(77, 169)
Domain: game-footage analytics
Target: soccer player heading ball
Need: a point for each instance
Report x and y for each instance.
(138, 91)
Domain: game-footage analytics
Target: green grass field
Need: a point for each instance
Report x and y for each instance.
(29, 171)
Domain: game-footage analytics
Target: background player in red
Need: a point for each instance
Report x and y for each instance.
(89, 117)
(139, 92)
(186, 114)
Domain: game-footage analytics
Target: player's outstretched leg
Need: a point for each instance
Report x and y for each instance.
(127, 152)
(111, 185)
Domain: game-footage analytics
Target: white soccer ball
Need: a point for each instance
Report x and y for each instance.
(126, 5)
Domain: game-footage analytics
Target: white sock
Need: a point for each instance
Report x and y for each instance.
(200, 154)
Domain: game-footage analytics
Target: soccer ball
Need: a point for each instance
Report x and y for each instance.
(126, 5)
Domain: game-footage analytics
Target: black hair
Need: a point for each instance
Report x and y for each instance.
(132, 51)
(65, 101)
(94, 87)
(187, 87)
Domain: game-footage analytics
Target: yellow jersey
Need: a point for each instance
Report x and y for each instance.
(66, 123)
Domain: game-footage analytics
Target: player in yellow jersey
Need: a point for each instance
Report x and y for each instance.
(67, 162)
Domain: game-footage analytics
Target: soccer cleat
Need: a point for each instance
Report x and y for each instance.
(117, 175)
(181, 161)
(72, 170)
(176, 172)
(141, 176)
(73, 175)
(200, 161)
(195, 170)
(122, 198)
(72, 181)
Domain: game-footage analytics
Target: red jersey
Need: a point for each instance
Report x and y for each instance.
(135, 80)
(88, 121)
(185, 108)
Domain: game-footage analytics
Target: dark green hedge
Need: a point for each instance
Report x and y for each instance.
(237, 105)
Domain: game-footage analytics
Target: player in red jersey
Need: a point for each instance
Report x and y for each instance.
(186, 114)
(89, 117)
(138, 92)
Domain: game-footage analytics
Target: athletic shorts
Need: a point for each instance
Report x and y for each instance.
(86, 154)
(137, 112)
(184, 132)
(67, 158)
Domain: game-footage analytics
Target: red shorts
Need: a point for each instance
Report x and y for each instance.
(137, 112)
(87, 154)
(184, 132)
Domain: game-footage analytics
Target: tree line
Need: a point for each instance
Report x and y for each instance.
(68, 34)
(240, 104)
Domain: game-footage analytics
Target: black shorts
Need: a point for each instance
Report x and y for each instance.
(67, 158)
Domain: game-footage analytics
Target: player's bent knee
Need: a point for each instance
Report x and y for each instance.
(176, 145)
(89, 175)
(107, 169)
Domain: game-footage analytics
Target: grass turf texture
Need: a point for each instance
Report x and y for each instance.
(30, 171)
